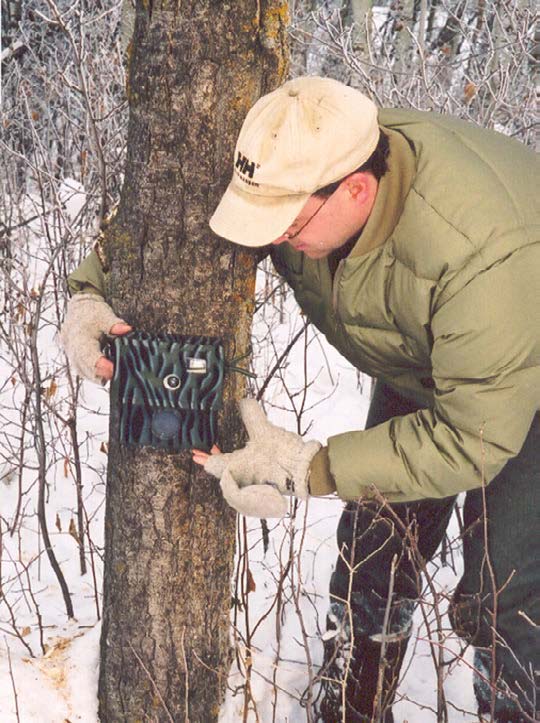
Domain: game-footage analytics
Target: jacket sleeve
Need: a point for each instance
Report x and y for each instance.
(486, 368)
(88, 276)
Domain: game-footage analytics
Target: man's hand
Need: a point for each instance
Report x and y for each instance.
(201, 457)
(104, 367)
(274, 463)
(88, 318)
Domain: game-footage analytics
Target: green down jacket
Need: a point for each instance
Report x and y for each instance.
(440, 298)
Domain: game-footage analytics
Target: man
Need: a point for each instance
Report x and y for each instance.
(411, 241)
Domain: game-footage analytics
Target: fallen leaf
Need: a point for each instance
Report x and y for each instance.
(470, 91)
(51, 390)
(73, 530)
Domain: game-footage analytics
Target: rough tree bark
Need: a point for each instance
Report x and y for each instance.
(195, 69)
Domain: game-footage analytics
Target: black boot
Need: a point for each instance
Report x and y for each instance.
(359, 662)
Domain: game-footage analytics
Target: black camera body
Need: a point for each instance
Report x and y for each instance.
(167, 389)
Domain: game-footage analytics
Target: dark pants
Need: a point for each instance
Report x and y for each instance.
(375, 540)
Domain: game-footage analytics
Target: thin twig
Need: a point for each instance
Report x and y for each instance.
(12, 681)
(154, 684)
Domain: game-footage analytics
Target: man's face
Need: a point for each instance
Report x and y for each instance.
(327, 223)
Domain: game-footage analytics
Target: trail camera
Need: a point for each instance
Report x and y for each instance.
(167, 389)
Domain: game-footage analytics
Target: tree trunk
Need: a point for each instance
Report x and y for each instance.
(196, 67)
(361, 12)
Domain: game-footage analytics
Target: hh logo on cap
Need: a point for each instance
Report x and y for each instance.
(244, 167)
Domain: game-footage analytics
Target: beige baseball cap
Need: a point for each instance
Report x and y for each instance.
(306, 134)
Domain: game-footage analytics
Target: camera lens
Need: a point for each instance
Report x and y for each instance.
(166, 424)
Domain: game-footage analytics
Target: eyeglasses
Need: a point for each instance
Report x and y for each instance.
(289, 236)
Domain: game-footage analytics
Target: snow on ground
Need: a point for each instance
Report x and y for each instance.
(61, 685)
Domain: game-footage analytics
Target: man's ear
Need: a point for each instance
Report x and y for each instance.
(358, 185)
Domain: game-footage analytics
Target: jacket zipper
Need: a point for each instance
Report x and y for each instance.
(335, 287)
(340, 327)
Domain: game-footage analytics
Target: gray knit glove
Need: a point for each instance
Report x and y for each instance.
(88, 317)
(274, 463)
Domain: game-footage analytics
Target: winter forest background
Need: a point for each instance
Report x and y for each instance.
(63, 145)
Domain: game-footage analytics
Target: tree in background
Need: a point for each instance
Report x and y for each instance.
(471, 59)
(63, 146)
